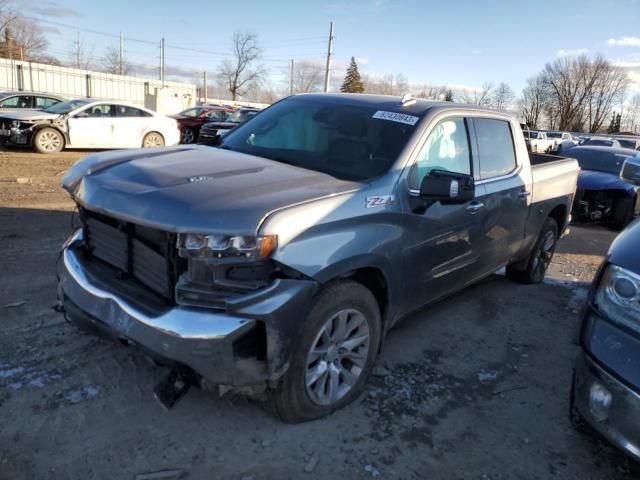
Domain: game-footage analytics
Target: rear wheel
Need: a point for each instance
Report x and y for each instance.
(48, 140)
(540, 259)
(188, 136)
(153, 139)
(334, 357)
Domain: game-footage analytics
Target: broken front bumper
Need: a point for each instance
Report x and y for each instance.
(609, 406)
(245, 345)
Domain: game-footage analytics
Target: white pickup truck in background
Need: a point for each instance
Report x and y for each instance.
(544, 142)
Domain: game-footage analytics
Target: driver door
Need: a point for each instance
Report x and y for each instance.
(92, 127)
(443, 240)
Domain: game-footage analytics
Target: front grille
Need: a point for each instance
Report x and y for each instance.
(145, 254)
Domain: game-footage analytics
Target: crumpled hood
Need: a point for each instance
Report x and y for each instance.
(29, 115)
(194, 189)
(594, 180)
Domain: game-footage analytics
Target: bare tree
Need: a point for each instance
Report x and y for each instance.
(80, 54)
(631, 114)
(533, 101)
(502, 97)
(609, 85)
(111, 62)
(307, 76)
(386, 85)
(240, 73)
(481, 96)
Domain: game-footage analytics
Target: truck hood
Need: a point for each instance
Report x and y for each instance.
(28, 115)
(594, 180)
(194, 189)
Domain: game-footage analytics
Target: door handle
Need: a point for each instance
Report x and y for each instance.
(524, 194)
(474, 207)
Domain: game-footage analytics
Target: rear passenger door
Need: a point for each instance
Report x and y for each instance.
(131, 124)
(505, 193)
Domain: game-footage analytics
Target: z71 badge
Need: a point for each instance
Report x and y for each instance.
(379, 201)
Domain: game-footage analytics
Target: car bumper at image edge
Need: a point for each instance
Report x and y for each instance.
(620, 421)
(202, 340)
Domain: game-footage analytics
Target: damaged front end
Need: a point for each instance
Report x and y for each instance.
(20, 132)
(227, 322)
(608, 206)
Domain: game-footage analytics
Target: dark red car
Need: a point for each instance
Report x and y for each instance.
(191, 119)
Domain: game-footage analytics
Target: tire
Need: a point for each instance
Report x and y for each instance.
(152, 139)
(576, 419)
(187, 136)
(48, 140)
(305, 392)
(540, 258)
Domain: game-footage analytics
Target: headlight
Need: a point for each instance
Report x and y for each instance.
(243, 246)
(15, 124)
(618, 296)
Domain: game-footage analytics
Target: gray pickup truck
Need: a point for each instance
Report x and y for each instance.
(275, 264)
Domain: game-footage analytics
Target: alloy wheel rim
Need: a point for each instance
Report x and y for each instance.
(544, 255)
(187, 136)
(49, 141)
(153, 141)
(337, 357)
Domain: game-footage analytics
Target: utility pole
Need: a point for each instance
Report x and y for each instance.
(327, 74)
(121, 69)
(162, 61)
(291, 79)
(78, 52)
(204, 82)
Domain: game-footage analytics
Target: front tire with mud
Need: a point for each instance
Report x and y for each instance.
(538, 262)
(332, 360)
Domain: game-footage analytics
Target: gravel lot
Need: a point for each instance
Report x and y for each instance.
(475, 387)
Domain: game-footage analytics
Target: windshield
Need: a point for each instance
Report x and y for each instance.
(554, 135)
(65, 107)
(600, 161)
(348, 142)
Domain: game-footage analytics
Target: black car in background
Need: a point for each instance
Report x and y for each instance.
(210, 133)
(602, 196)
(606, 385)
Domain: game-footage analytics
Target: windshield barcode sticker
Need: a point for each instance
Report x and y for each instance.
(396, 117)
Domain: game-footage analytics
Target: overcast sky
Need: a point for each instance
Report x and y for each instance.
(454, 42)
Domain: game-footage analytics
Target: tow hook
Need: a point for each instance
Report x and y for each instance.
(171, 389)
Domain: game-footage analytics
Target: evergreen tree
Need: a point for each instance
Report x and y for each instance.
(448, 96)
(352, 81)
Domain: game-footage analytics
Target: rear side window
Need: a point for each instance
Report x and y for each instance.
(45, 102)
(126, 111)
(22, 101)
(495, 144)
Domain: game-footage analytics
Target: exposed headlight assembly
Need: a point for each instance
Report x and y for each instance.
(221, 246)
(15, 124)
(618, 296)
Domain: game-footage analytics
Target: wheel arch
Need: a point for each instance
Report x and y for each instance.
(559, 214)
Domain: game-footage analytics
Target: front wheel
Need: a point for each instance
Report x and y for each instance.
(188, 136)
(153, 139)
(334, 357)
(540, 258)
(48, 140)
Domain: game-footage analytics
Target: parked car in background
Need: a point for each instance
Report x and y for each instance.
(538, 141)
(19, 101)
(629, 142)
(191, 120)
(602, 142)
(212, 132)
(606, 382)
(88, 123)
(558, 138)
(275, 264)
(602, 196)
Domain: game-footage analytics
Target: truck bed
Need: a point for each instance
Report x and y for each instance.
(553, 176)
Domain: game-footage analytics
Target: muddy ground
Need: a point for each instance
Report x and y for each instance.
(476, 387)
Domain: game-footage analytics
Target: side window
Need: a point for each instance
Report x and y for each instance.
(216, 116)
(45, 102)
(495, 144)
(19, 101)
(126, 111)
(100, 111)
(446, 148)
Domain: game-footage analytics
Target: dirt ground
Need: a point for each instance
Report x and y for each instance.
(476, 387)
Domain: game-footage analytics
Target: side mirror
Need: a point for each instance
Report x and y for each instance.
(81, 115)
(631, 171)
(447, 187)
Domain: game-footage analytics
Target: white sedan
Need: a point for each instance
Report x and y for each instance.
(89, 123)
